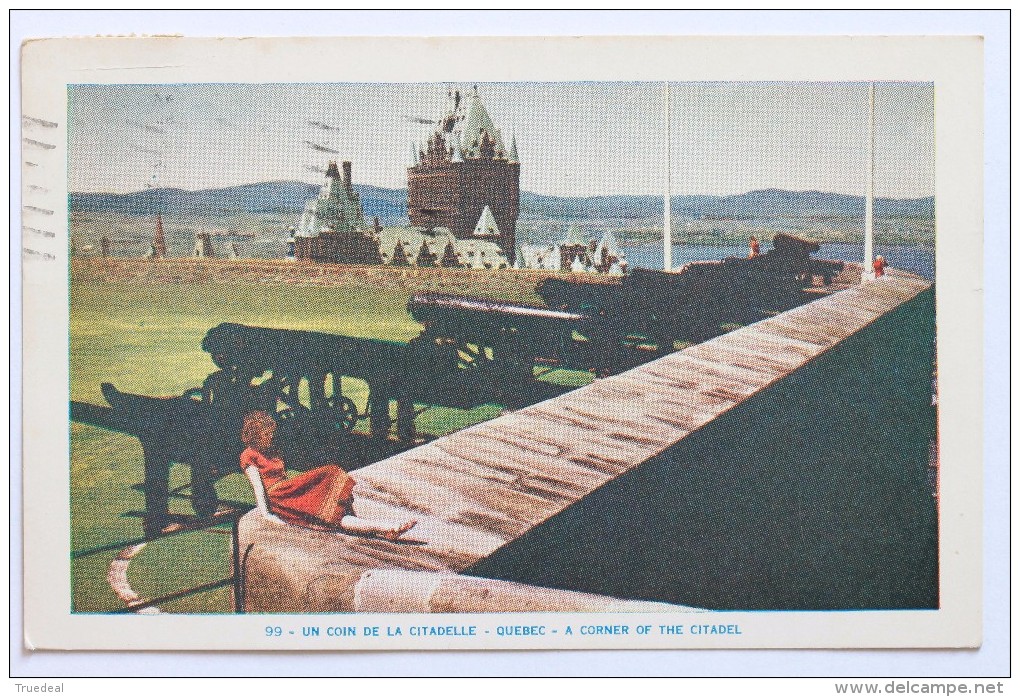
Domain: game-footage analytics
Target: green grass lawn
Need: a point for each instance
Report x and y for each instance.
(146, 338)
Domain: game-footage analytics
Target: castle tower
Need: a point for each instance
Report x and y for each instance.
(333, 228)
(573, 248)
(290, 244)
(464, 168)
(203, 245)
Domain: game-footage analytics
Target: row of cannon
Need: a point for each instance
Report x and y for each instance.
(470, 351)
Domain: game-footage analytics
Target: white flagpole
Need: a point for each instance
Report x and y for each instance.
(667, 214)
(869, 203)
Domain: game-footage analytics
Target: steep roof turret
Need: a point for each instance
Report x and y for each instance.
(458, 156)
(512, 155)
(574, 237)
(487, 226)
(478, 123)
(159, 239)
(337, 208)
(608, 244)
(469, 123)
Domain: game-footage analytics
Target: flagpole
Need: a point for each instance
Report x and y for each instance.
(667, 214)
(868, 272)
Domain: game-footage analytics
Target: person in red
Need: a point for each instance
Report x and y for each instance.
(321, 498)
(755, 248)
(879, 266)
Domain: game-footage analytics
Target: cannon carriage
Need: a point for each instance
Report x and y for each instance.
(658, 308)
(608, 324)
(299, 377)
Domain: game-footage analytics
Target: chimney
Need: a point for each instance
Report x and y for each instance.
(347, 177)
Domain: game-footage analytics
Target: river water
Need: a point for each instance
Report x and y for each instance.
(917, 260)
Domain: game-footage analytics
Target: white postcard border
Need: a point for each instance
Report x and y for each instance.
(954, 64)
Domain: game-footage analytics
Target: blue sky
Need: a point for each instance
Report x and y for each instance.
(574, 139)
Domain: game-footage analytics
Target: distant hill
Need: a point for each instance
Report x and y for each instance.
(276, 198)
(268, 197)
(288, 198)
(755, 204)
(780, 203)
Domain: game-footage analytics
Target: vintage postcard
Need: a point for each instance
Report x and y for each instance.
(388, 344)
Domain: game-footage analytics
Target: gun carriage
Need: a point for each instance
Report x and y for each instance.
(608, 324)
(470, 351)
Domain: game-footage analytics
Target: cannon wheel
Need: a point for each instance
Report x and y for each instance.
(472, 356)
(339, 412)
(290, 413)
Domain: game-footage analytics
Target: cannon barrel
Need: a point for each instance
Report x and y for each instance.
(704, 292)
(516, 335)
(521, 330)
(432, 307)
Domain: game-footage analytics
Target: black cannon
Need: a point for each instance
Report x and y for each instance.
(605, 324)
(470, 352)
(299, 377)
(692, 303)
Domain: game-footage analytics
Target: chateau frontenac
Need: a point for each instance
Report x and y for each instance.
(465, 178)
(463, 193)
